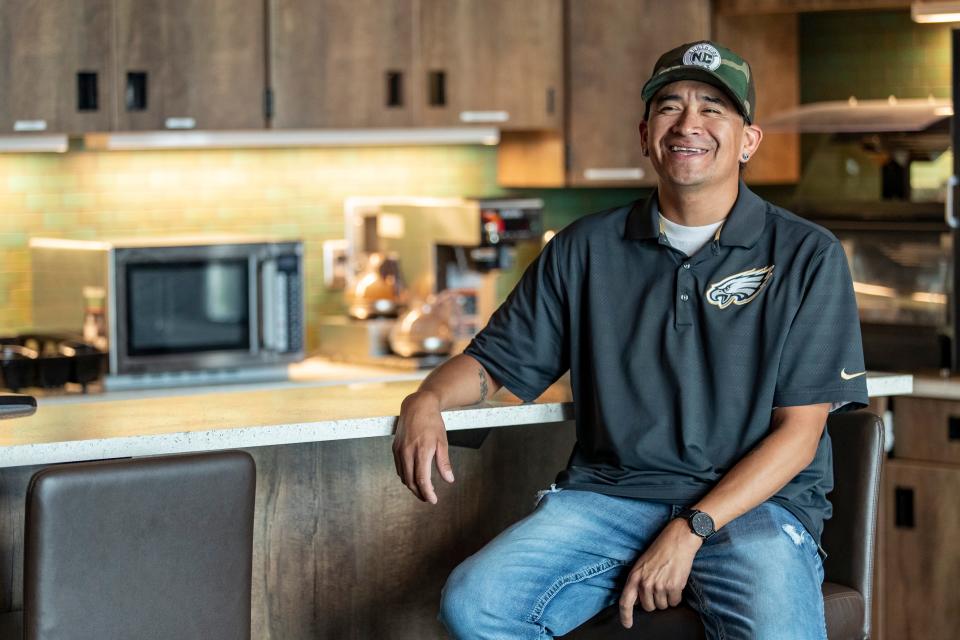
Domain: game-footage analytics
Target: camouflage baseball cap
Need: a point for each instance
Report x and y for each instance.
(708, 62)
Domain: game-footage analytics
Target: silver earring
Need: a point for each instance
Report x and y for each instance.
(746, 157)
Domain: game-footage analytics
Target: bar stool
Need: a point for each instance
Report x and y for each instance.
(849, 538)
(151, 548)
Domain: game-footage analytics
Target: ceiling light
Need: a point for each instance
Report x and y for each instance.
(34, 144)
(293, 138)
(935, 11)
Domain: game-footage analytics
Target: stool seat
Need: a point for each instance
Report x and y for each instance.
(843, 607)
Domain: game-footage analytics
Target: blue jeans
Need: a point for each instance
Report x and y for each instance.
(758, 577)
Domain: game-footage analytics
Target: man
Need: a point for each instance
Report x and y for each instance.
(708, 334)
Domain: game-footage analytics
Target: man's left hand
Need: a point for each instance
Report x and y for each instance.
(660, 573)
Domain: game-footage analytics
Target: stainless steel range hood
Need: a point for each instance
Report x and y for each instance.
(861, 116)
(872, 151)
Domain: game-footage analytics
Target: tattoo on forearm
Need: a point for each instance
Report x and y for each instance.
(483, 385)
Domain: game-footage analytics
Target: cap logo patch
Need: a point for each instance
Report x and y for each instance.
(702, 55)
(740, 288)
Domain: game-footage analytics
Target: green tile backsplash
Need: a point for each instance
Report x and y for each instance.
(276, 192)
(872, 54)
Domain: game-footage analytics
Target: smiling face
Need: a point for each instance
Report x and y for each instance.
(695, 136)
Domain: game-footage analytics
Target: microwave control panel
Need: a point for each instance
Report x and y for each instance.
(282, 300)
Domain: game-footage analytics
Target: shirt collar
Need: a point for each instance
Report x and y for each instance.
(742, 227)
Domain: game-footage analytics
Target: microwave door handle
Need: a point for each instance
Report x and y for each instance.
(253, 304)
(268, 304)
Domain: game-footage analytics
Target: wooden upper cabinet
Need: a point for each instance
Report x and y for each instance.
(493, 61)
(185, 64)
(55, 65)
(769, 44)
(343, 63)
(613, 45)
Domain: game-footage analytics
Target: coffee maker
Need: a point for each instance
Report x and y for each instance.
(449, 255)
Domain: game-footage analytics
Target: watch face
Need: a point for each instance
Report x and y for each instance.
(702, 524)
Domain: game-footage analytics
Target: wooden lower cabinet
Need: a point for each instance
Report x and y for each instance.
(922, 551)
(918, 567)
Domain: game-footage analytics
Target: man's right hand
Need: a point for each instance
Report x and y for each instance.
(420, 437)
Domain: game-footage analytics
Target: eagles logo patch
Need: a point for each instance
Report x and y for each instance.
(740, 288)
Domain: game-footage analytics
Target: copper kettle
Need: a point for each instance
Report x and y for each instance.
(427, 328)
(378, 290)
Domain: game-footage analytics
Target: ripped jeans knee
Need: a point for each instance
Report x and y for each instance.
(540, 494)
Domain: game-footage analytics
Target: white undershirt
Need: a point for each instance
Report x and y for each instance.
(688, 239)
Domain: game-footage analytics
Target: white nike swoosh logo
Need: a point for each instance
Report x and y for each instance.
(849, 376)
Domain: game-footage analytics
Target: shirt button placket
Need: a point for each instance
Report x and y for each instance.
(684, 286)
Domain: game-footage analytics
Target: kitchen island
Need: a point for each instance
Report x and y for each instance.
(178, 421)
(336, 535)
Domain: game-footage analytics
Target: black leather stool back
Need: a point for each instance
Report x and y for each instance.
(850, 535)
(147, 548)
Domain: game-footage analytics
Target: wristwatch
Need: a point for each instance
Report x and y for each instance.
(700, 522)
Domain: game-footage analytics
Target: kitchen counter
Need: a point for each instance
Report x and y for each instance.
(314, 371)
(328, 502)
(929, 384)
(62, 432)
(266, 415)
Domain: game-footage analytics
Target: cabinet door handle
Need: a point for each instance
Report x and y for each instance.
(30, 125)
(394, 88)
(180, 123)
(953, 428)
(614, 173)
(135, 95)
(484, 116)
(87, 92)
(903, 508)
(437, 88)
(551, 101)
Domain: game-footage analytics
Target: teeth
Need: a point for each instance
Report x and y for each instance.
(676, 148)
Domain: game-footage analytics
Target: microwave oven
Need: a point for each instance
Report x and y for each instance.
(181, 310)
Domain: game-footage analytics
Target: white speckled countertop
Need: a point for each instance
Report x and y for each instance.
(260, 415)
(883, 383)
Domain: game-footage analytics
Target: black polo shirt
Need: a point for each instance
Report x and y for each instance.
(676, 362)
